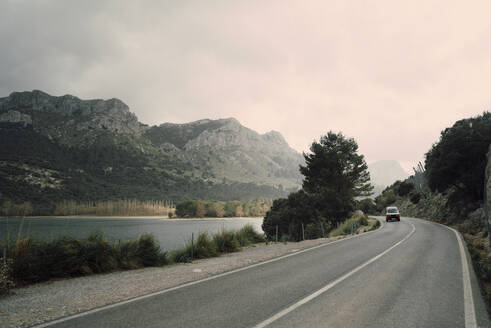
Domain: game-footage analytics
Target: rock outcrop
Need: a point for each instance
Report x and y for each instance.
(13, 116)
(73, 113)
(234, 152)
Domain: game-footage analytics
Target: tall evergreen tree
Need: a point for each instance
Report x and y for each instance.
(335, 174)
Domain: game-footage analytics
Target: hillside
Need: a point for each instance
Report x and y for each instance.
(56, 148)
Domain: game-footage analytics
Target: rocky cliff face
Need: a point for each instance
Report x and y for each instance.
(67, 117)
(233, 152)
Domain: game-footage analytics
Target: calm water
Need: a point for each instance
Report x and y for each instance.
(170, 234)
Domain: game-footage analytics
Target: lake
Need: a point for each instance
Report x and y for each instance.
(171, 234)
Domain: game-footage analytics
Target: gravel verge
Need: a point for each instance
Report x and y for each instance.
(47, 301)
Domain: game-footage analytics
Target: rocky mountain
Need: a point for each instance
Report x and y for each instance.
(227, 150)
(384, 173)
(55, 148)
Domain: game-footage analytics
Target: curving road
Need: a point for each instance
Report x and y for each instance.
(406, 274)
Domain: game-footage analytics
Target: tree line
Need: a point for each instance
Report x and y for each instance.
(213, 209)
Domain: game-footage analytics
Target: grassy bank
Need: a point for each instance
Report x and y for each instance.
(225, 241)
(31, 261)
(478, 245)
(358, 223)
(479, 250)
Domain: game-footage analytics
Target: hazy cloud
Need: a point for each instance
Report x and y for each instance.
(390, 74)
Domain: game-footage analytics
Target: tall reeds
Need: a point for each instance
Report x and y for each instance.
(127, 207)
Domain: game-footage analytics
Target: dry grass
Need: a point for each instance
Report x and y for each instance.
(116, 207)
(356, 224)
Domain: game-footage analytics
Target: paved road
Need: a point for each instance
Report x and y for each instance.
(407, 274)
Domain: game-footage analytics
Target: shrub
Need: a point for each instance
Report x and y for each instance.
(289, 214)
(367, 205)
(211, 210)
(348, 226)
(481, 258)
(202, 247)
(415, 197)
(64, 258)
(128, 254)
(317, 229)
(181, 255)
(98, 254)
(362, 220)
(405, 188)
(472, 226)
(35, 261)
(149, 253)
(375, 226)
(186, 208)
(226, 242)
(248, 233)
(6, 282)
(222, 242)
(29, 261)
(285, 238)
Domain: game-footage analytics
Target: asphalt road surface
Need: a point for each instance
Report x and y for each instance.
(406, 274)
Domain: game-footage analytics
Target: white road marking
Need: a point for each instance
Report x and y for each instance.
(110, 306)
(469, 309)
(331, 284)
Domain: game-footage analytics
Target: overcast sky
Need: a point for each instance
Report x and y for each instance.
(391, 74)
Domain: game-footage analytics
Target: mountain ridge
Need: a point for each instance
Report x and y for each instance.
(101, 146)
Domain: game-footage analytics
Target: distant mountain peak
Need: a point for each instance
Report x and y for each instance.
(383, 173)
(66, 104)
(275, 136)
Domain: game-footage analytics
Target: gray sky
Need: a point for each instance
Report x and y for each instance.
(391, 74)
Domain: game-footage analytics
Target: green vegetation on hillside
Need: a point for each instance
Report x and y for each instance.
(458, 162)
